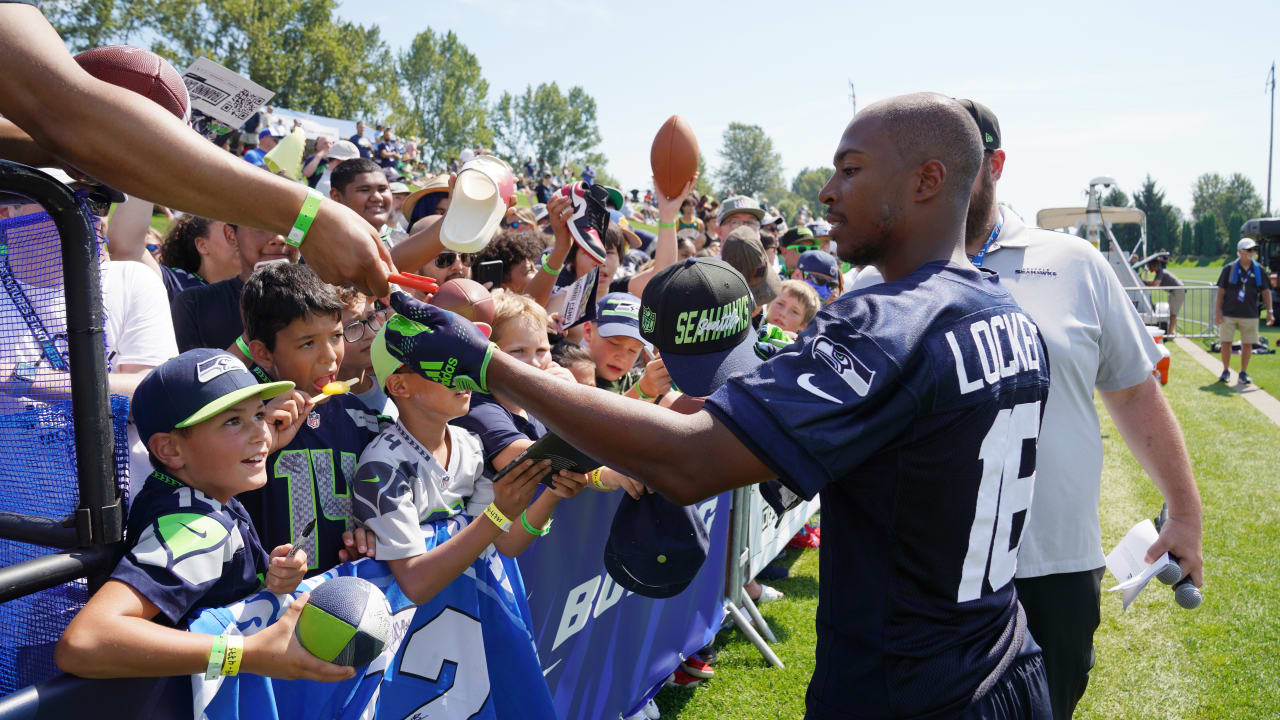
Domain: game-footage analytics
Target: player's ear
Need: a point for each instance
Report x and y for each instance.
(167, 449)
(929, 178)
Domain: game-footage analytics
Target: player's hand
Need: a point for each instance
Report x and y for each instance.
(344, 249)
(1181, 537)
(356, 544)
(285, 414)
(513, 491)
(560, 212)
(1271, 319)
(567, 484)
(276, 652)
(437, 344)
(1217, 318)
(656, 380)
(669, 207)
(284, 572)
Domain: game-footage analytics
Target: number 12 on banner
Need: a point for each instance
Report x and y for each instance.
(1003, 493)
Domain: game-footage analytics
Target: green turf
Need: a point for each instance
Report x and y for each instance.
(1154, 661)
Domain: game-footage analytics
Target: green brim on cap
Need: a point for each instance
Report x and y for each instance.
(383, 363)
(615, 195)
(265, 391)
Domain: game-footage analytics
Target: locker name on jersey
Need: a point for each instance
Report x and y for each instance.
(996, 348)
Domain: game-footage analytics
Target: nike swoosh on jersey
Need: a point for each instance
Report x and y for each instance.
(806, 381)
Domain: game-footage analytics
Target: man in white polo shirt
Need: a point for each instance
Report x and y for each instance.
(1096, 341)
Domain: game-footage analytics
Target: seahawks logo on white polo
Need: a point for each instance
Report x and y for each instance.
(850, 369)
(215, 366)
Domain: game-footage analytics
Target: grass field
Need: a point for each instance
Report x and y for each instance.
(1154, 661)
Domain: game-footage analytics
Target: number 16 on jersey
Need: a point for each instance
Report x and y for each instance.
(1008, 456)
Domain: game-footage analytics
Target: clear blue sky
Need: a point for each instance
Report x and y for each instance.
(1082, 89)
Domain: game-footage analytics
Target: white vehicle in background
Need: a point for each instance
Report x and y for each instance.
(1097, 220)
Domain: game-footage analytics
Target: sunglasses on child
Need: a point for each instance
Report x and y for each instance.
(813, 279)
(445, 259)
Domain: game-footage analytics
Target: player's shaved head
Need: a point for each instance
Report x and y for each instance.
(905, 167)
(928, 126)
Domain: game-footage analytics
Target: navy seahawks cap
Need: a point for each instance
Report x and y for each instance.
(655, 547)
(618, 314)
(698, 314)
(192, 388)
(819, 261)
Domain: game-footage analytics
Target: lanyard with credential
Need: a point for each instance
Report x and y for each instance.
(19, 299)
(995, 232)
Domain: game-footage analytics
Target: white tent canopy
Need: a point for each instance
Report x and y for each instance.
(1071, 217)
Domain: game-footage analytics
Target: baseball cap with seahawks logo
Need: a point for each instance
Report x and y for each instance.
(697, 313)
(618, 315)
(193, 387)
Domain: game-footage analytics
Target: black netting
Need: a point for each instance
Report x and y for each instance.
(37, 464)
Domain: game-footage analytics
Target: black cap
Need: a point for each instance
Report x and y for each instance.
(655, 547)
(988, 125)
(698, 314)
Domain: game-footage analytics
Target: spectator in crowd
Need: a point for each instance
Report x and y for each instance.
(588, 175)
(198, 251)
(795, 241)
(822, 272)
(577, 360)
(1161, 277)
(1240, 284)
(449, 265)
(689, 225)
(423, 471)
(362, 143)
(396, 221)
(743, 251)
(795, 306)
(770, 226)
(315, 164)
(389, 149)
(267, 139)
(361, 185)
(544, 189)
(520, 219)
(432, 199)
(341, 151)
(543, 221)
(615, 344)
(209, 315)
(362, 318)
(293, 323)
(209, 441)
(519, 253)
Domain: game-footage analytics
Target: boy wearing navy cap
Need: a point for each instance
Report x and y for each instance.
(191, 544)
(615, 342)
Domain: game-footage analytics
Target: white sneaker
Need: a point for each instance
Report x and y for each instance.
(650, 710)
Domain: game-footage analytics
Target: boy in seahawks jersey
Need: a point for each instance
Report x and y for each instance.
(293, 322)
(423, 470)
(191, 545)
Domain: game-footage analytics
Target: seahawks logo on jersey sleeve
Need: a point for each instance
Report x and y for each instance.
(191, 546)
(850, 369)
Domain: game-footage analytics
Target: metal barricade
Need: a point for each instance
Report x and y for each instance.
(1188, 309)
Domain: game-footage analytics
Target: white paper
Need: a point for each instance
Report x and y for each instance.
(1127, 561)
(223, 95)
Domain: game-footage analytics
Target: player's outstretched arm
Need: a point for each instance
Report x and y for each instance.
(1149, 428)
(114, 637)
(137, 147)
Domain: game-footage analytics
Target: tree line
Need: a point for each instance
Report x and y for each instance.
(318, 63)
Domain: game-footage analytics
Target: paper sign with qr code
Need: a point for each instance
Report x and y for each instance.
(223, 95)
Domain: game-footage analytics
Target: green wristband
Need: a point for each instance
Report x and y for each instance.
(546, 529)
(547, 268)
(243, 347)
(305, 217)
(666, 226)
(217, 654)
(640, 393)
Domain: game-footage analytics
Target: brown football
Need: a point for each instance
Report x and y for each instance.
(674, 156)
(468, 298)
(141, 71)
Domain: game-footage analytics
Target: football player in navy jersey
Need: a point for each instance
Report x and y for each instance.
(293, 322)
(912, 407)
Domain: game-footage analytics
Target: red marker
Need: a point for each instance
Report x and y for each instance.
(417, 282)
